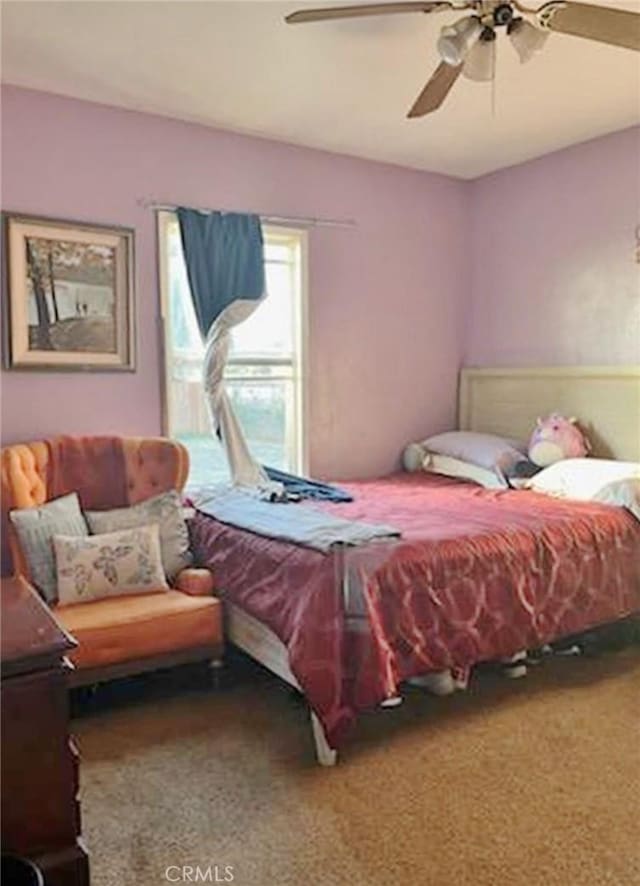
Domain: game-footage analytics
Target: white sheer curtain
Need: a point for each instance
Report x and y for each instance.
(224, 258)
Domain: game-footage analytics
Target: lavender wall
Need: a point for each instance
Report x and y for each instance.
(530, 265)
(554, 280)
(385, 298)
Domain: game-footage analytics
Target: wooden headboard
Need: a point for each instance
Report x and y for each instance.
(606, 401)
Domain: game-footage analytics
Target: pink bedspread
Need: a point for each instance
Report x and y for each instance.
(477, 575)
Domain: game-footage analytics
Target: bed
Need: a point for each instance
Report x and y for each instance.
(477, 575)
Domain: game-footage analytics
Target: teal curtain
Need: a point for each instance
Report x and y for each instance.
(224, 256)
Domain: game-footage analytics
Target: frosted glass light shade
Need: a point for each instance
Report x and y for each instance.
(480, 63)
(454, 41)
(526, 39)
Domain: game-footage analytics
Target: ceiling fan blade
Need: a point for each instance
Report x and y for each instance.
(617, 27)
(436, 90)
(318, 15)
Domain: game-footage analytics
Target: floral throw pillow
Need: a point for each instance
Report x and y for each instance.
(97, 566)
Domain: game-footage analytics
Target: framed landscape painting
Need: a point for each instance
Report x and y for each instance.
(69, 297)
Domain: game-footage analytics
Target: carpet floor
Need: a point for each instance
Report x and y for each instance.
(532, 782)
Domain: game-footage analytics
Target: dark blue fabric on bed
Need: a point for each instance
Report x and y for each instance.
(306, 488)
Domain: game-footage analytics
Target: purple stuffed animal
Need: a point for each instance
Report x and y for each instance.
(555, 438)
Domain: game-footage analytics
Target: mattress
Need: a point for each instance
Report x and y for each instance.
(478, 574)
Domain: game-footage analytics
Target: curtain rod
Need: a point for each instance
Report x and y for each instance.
(273, 219)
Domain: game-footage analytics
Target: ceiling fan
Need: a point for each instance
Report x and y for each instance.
(468, 46)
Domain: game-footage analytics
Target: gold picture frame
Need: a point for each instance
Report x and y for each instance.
(69, 296)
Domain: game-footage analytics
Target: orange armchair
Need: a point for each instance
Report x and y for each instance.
(129, 634)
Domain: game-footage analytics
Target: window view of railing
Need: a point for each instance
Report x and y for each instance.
(264, 371)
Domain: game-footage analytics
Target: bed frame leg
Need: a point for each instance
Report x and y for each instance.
(326, 755)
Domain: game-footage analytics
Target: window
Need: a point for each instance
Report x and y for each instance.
(264, 373)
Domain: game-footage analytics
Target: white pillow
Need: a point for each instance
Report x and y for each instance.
(485, 450)
(483, 458)
(592, 479)
(97, 566)
(416, 458)
(463, 470)
(623, 493)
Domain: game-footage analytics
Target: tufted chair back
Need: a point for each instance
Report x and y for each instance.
(107, 472)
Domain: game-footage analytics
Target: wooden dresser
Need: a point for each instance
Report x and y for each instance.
(40, 810)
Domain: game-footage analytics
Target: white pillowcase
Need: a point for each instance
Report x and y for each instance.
(592, 479)
(109, 565)
(485, 450)
(469, 455)
(463, 470)
(623, 493)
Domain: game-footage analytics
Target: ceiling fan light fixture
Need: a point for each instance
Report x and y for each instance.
(456, 40)
(468, 47)
(526, 38)
(480, 63)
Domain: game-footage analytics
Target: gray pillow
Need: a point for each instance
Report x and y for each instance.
(166, 511)
(35, 528)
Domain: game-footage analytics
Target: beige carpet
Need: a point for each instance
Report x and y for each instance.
(530, 782)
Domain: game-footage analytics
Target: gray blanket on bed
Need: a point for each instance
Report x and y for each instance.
(298, 523)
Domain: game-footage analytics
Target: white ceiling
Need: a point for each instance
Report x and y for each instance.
(342, 86)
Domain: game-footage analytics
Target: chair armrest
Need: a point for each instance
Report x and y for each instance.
(195, 582)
